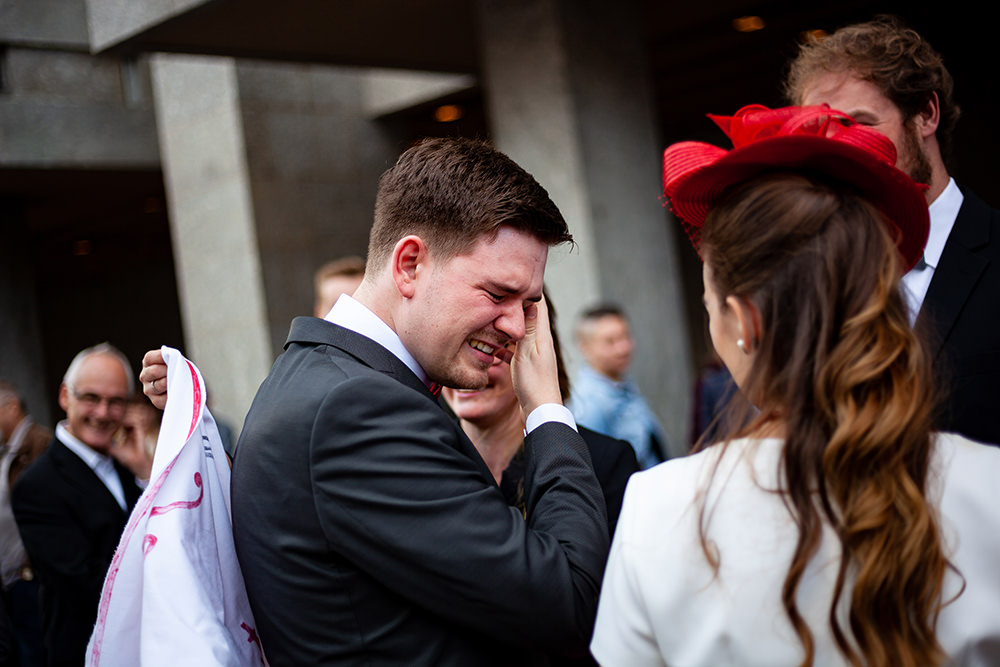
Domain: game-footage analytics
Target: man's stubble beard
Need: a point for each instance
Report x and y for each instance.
(919, 167)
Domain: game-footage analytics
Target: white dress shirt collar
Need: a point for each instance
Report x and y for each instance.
(943, 211)
(102, 464)
(351, 314)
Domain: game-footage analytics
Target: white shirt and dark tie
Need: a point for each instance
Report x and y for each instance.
(353, 315)
(943, 212)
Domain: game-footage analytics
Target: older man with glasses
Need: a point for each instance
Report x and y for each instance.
(72, 504)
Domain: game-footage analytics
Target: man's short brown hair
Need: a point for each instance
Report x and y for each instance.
(451, 192)
(348, 267)
(889, 54)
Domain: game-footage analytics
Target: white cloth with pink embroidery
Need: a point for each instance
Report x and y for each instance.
(174, 594)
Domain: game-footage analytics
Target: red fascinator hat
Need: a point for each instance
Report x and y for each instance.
(818, 140)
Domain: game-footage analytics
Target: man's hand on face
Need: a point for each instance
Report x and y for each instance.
(128, 449)
(533, 366)
(154, 378)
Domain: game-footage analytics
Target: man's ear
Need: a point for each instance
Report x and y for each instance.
(63, 396)
(408, 256)
(928, 117)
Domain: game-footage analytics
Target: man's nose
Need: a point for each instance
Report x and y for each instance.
(511, 322)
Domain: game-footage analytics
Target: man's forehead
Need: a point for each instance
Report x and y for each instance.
(603, 326)
(844, 90)
(508, 248)
(611, 323)
(101, 369)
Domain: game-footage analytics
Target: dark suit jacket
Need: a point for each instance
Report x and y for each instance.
(370, 531)
(70, 524)
(614, 462)
(961, 312)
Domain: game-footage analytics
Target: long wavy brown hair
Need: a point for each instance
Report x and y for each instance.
(838, 364)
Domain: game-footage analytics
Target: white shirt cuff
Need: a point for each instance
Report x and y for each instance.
(549, 412)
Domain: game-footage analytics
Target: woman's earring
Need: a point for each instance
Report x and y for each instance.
(743, 346)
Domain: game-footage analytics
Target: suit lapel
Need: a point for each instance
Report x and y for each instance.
(314, 331)
(311, 330)
(80, 476)
(958, 271)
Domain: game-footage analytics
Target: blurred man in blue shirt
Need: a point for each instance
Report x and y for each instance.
(604, 399)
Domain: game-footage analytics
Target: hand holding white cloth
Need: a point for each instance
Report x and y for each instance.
(174, 594)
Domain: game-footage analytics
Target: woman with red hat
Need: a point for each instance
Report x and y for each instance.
(836, 527)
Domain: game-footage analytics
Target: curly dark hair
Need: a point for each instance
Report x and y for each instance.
(888, 53)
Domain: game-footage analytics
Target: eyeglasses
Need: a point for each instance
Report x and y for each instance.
(114, 403)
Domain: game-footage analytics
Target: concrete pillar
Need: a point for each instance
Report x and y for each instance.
(212, 226)
(271, 170)
(568, 96)
(313, 158)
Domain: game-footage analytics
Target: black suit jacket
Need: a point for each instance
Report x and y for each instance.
(614, 462)
(71, 525)
(370, 531)
(961, 313)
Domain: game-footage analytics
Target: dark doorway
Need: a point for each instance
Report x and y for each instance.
(96, 264)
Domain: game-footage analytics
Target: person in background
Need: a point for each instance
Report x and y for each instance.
(835, 527)
(340, 276)
(492, 418)
(135, 442)
(887, 77)
(22, 441)
(714, 394)
(73, 502)
(604, 398)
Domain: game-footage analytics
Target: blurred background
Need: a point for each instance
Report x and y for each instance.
(174, 172)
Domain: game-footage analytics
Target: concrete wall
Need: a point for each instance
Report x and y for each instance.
(60, 106)
(69, 109)
(50, 23)
(569, 99)
(271, 171)
(111, 21)
(313, 159)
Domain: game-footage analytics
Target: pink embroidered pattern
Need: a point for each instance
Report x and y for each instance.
(181, 504)
(253, 639)
(196, 407)
(148, 543)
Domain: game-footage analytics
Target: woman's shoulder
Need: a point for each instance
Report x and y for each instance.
(667, 492)
(970, 463)
(753, 454)
(965, 471)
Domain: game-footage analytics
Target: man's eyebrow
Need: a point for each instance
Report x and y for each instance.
(860, 115)
(507, 290)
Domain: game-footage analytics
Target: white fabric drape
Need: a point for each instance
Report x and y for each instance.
(174, 594)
